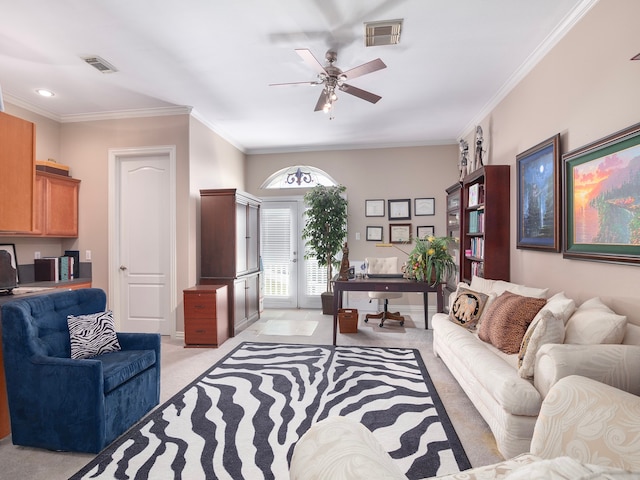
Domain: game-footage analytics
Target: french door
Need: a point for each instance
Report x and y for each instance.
(290, 280)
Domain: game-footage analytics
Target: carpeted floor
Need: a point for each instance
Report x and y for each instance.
(181, 365)
(242, 418)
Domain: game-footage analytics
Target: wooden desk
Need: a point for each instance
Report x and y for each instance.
(401, 285)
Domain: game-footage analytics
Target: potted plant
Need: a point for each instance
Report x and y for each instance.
(430, 260)
(325, 231)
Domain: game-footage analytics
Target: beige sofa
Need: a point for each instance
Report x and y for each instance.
(585, 430)
(508, 389)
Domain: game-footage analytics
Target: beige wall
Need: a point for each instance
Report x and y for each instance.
(586, 88)
(390, 173)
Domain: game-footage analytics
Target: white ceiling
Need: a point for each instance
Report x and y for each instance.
(455, 60)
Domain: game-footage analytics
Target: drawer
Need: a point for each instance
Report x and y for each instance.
(200, 332)
(200, 306)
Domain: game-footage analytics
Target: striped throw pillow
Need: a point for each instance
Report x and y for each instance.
(92, 335)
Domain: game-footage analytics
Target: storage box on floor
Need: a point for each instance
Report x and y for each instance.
(348, 320)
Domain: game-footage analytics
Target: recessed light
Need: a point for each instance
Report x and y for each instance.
(44, 92)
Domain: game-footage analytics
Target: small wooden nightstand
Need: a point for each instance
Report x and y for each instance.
(206, 317)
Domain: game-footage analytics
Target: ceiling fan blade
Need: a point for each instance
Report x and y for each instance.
(363, 94)
(322, 100)
(312, 61)
(310, 84)
(369, 67)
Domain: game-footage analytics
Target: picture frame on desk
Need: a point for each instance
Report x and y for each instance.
(399, 232)
(539, 215)
(601, 192)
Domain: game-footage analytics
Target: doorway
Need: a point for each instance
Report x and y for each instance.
(142, 238)
(290, 280)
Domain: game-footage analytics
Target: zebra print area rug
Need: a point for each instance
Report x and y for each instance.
(242, 418)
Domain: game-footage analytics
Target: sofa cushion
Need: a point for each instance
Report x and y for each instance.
(567, 467)
(118, 367)
(92, 335)
(467, 307)
(498, 287)
(545, 328)
(506, 320)
(594, 323)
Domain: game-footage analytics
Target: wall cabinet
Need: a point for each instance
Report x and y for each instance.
(17, 164)
(56, 205)
(206, 321)
(230, 250)
(485, 225)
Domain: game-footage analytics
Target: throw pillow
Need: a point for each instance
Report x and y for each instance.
(506, 320)
(452, 297)
(561, 306)
(594, 323)
(545, 328)
(92, 334)
(467, 307)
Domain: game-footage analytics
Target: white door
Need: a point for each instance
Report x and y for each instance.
(290, 280)
(143, 238)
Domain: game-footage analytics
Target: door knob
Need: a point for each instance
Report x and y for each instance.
(122, 267)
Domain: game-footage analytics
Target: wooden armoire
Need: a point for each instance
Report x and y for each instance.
(230, 251)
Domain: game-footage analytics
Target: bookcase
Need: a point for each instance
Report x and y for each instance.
(454, 225)
(485, 225)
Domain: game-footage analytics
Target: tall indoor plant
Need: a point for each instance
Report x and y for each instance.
(325, 230)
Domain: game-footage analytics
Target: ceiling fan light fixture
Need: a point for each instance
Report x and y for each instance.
(382, 33)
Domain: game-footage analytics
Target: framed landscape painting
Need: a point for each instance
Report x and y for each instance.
(602, 199)
(539, 196)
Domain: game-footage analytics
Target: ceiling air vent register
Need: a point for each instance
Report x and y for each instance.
(382, 33)
(100, 64)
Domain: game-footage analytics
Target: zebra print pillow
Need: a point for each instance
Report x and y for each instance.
(92, 335)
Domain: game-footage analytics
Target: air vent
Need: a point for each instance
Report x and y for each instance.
(100, 64)
(382, 33)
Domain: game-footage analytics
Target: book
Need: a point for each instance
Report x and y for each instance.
(75, 255)
(45, 269)
(63, 269)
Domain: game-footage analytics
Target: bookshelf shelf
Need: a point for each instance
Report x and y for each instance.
(485, 225)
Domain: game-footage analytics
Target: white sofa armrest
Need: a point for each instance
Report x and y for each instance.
(341, 449)
(615, 365)
(590, 422)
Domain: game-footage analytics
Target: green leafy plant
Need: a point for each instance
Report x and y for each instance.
(326, 226)
(430, 260)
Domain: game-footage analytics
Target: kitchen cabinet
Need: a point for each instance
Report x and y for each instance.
(56, 205)
(17, 163)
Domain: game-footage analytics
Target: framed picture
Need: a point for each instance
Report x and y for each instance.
(8, 256)
(425, 206)
(374, 208)
(400, 232)
(400, 209)
(539, 215)
(374, 234)
(601, 191)
(425, 231)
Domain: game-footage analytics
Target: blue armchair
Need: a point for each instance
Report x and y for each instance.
(60, 403)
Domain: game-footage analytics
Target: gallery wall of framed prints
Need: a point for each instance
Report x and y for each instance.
(398, 210)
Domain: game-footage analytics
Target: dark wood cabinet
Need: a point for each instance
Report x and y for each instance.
(206, 320)
(454, 230)
(485, 225)
(230, 250)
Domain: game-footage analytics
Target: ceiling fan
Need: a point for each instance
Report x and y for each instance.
(332, 78)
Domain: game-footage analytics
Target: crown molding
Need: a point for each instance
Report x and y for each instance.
(567, 23)
(122, 114)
